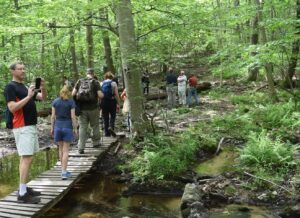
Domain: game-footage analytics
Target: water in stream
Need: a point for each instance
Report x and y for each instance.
(223, 162)
(100, 196)
(9, 169)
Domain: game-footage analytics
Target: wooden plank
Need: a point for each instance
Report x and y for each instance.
(54, 179)
(75, 174)
(22, 207)
(74, 168)
(49, 188)
(62, 183)
(14, 199)
(14, 204)
(12, 215)
(17, 212)
(42, 193)
(77, 163)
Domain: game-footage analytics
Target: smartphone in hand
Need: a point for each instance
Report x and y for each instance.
(38, 82)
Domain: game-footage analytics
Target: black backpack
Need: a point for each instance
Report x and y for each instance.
(8, 116)
(86, 90)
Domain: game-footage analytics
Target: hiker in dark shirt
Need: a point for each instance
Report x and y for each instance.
(171, 87)
(87, 92)
(145, 82)
(110, 104)
(21, 103)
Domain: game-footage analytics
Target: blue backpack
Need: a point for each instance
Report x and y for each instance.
(107, 89)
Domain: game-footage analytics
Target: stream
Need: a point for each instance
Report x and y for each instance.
(99, 196)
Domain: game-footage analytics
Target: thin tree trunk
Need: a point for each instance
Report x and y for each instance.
(108, 53)
(132, 73)
(238, 28)
(90, 43)
(268, 66)
(21, 47)
(42, 52)
(295, 53)
(73, 54)
(254, 69)
(6, 73)
(55, 50)
(55, 59)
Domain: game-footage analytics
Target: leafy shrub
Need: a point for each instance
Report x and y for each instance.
(262, 153)
(163, 157)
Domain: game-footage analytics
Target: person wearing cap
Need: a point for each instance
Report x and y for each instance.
(89, 110)
(181, 81)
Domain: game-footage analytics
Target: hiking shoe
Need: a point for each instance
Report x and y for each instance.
(28, 199)
(32, 192)
(112, 132)
(66, 175)
(81, 151)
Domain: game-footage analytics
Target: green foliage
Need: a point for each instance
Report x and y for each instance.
(251, 99)
(183, 110)
(164, 157)
(263, 153)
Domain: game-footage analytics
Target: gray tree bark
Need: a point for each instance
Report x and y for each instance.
(268, 66)
(295, 53)
(132, 73)
(73, 54)
(90, 43)
(254, 69)
(107, 52)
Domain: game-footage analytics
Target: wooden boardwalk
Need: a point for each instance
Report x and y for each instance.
(50, 184)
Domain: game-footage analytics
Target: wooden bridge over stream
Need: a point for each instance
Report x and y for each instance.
(50, 184)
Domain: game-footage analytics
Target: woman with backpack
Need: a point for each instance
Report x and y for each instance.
(64, 126)
(110, 104)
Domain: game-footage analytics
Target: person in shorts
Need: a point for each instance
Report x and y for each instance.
(21, 103)
(64, 126)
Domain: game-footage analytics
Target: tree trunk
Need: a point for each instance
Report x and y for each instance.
(55, 57)
(130, 66)
(108, 53)
(254, 69)
(295, 53)
(90, 43)
(238, 28)
(55, 50)
(42, 52)
(73, 55)
(6, 72)
(268, 66)
(21, 47)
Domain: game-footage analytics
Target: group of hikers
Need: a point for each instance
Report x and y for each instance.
(82, 100)
(181, 85)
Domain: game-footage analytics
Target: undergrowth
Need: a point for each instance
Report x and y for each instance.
(164, 156)
(265, 127)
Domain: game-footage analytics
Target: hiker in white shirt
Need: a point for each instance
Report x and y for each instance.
(181, 81)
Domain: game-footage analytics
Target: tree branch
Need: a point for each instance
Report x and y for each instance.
(153, 30)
